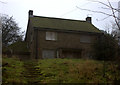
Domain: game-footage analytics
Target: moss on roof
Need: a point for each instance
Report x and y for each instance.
(63, 24)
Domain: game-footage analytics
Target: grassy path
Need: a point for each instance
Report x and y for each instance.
(31, 73)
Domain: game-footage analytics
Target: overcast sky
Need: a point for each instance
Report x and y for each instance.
(55, 8)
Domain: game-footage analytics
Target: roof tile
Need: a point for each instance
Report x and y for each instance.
(63, 24)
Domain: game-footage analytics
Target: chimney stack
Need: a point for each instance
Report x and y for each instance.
(30, 14)
(89, 19)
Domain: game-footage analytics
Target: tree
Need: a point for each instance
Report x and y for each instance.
(116, 32)
(105, 47)
(107, 6)
(10, 31)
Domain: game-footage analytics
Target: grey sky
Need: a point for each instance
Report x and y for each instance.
(54, 8)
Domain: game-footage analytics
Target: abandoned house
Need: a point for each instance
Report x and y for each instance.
(60, 38)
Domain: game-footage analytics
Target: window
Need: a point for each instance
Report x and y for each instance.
(51, 36)
(85, 39)
(48, 54)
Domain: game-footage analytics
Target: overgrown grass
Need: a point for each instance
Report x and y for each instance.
(12, 70)
(77, 71)
(62, 71)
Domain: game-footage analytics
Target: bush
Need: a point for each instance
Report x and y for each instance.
(105, 47)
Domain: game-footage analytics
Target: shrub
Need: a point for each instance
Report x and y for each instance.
(105, 47)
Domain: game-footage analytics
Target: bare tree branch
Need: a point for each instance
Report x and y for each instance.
(108, 7)
(94, 11)
(114, 14)
(97, 12)
(105, 8)
(100, 3)
(116, 10)
(104, 4)
(2, 2)
(104, 18)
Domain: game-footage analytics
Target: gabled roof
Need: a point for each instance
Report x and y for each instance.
(63, 24)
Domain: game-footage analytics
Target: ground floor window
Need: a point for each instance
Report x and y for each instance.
(46, 54)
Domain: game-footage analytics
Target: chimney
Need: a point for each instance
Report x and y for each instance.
(89, 19)
(30, 13)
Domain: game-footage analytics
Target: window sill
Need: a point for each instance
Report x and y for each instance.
(51, 40)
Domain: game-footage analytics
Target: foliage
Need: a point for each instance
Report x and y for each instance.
(75, 71)
(68, 70)
(58, 71)
(12, 69)
(105, 47)
(10, 30)
(19, 46)
(116, 32)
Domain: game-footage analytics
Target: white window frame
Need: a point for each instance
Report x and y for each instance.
(51, 36)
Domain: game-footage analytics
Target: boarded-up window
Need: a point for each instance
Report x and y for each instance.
(51, 36)
(48, 54)
(85, 39)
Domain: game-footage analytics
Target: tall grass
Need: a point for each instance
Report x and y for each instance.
(61, 71)
(12, 71)
(75, 71)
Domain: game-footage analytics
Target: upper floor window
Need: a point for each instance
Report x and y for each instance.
(51, 36)
(85, 39)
